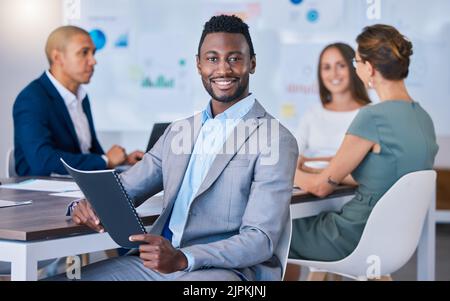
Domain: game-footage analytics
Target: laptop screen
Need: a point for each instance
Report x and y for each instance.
(157, 131)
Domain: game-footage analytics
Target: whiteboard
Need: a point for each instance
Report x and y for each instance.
(146, 69)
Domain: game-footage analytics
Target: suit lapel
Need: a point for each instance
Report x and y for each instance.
(183, 160)
(61, 108)
(222, 160)
(87, 111)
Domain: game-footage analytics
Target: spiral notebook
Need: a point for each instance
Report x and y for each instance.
(115, 209)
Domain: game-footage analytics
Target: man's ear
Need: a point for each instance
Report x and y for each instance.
(253, 65)
(55, 56)
(199, 68)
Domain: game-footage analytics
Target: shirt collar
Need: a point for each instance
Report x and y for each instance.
(68, 97)
(236, 111)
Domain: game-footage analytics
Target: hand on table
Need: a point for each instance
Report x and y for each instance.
(83, 214)
(116, 156)
(134, 157)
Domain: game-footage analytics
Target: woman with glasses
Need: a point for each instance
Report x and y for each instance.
(384, 142)
(323, 127)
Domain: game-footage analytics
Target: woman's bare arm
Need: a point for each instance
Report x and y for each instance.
(349, 156)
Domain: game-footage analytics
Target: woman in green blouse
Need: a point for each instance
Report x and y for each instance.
(385, 141)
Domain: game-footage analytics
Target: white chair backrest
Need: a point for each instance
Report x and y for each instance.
(10, 164)
(282, 249)
(393, 229)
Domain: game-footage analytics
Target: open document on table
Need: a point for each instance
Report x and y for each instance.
(43, 185)
(5, 204)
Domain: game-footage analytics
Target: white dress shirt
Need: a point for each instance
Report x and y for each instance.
(321, 131)
(212, 137)
(75, 108)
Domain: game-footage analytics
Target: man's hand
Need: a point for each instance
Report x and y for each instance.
(158, 254)
(302, 166)
(300, 161)
(134, 157)
(116, 156)
(83, 214)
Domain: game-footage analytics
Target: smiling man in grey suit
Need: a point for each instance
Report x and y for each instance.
(227, 176)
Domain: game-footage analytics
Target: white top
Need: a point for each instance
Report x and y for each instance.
(321, 131)
(75, 108)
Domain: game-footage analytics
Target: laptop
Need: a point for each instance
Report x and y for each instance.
(157, 132)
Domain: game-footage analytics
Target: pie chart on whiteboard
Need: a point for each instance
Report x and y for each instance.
(99, 38)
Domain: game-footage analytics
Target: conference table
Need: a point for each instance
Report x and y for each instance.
(41, 231)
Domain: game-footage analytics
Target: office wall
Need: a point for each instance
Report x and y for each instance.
(25, 25)
(146, 56)
(443, 157)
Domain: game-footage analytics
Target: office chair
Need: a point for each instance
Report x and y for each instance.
(390, 236)
(10, 164)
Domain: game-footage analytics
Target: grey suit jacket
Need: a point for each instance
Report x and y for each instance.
(236, 218)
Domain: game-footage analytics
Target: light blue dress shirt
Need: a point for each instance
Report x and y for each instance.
(209, 143)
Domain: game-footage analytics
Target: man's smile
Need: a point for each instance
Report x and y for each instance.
(224, 83)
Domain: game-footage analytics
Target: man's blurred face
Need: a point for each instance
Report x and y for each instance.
(77, 59)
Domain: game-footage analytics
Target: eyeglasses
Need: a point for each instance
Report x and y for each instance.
(355, 62)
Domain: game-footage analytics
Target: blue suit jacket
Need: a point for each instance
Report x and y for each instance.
(44, 132)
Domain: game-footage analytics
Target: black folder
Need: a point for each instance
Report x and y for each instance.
(105, 192)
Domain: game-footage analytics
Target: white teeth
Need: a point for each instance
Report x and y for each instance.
(222, 82)
(336, 82)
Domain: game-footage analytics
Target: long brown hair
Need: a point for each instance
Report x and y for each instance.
(359, 92)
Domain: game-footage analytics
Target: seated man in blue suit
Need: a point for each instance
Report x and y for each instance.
(52, 115)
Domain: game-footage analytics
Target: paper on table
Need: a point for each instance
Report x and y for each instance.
(4, 204)
(43, 185)
(71, 194)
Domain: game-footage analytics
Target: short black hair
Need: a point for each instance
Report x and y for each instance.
(229, 24)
